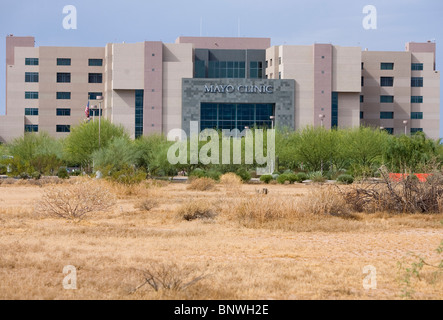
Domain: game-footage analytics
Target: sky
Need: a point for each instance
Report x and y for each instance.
(284, 21)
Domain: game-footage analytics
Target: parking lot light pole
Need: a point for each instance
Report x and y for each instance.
(100, 98)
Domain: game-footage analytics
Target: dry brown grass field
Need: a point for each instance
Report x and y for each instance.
(244, 244)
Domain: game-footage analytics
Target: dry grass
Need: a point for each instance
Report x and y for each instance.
(202, 184)
(258, 247)
(197, 209)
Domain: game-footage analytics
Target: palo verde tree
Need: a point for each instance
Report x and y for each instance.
(84, 140)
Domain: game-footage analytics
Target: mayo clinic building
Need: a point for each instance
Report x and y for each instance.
(224, 83)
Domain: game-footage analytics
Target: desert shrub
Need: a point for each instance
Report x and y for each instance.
(326, 201)
(317, 177)
(202, 184)
(197, 173)
(243, 174)
(24, 176)
(75, 201)
(257, 210)
(266, 178)
(128, 176)
(147, 204)
(168, 277)
(230, 179)
(345, 179)
(62, 173)
(194, 210)
(301, 176)
(407, 195)
(8, 181)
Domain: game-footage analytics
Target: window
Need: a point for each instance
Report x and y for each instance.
(270, 63)
(31, 76)
(96, 112)
(279, 60)
(362, 114)
(362, 81)
(417, 82)
(199, 69)
(31, 61)
(417, 66)
(63, 112)
(334, 110)
(415, 130)
(362, 99)
(362, 65)
(31, 111)
(63, 77)
(389, 130)
(95, 62)
(417, 115)
(267, 63)
(387, 81)
(31, 128)
(279, 75)
(95, 78)
(235, 116)
(387, 66)
(417, 99)
(63, 95)
(386, 99)
(386, 115)
(31, 95)
(139, 113)
(226, 69)
(63, 128)
(256, 70)
(63, 62)
(94, 95)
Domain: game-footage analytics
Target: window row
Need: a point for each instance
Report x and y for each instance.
(64, 77)
(62, 95)
(58, 128)
(390, 99)
(64, 62)
(390, 66)
(390, 115)
(416, 82)
(62, 112)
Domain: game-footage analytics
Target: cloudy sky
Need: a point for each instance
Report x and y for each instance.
(284, 21)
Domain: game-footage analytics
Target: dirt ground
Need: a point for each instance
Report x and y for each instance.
(322, 258)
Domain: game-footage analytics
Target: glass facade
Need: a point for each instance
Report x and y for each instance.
(95, 62)
(235, 116)
(387, 66)
(64, 112)
(31, 111)
(63, 128)
(417, 82)
(226, 69)
(256, 70)
(63, 62)
(31, 127)
(334, 111)
(139, 113)
(31, 61)
(31, 76)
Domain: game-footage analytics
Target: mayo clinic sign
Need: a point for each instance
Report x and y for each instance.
(265, 89)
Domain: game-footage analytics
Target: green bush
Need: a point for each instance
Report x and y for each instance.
(197, 173)
(128, 176)
(301, 176)
(36, 175)
(345, 179)
(62, 173)
(266, 178)
(243, 174)
(283, 178)
(292, 177)
(317, 177)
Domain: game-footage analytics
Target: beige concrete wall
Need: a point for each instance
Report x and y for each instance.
(128, 66)
(346, 69)
(348, 109)
(177, 64)
(123, 111)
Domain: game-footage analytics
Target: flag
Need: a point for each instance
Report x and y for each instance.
(87, 110)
